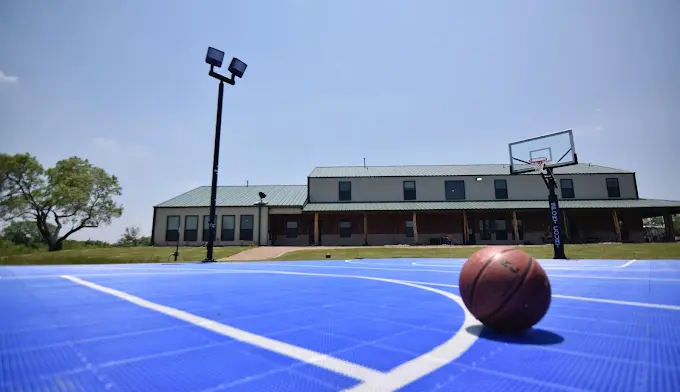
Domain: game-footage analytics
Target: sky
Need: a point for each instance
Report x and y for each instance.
(124, 84)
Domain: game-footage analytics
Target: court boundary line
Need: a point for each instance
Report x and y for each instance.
(578, 298)
(396, 378)
(197, 271)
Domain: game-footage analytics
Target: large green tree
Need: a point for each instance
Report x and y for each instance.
(72, 195)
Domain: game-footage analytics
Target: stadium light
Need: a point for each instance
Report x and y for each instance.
(237, 68)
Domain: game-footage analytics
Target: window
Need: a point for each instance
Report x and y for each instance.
(228, 228)
(455, 190)
(246, 229)
(345, 228)
(567, 186)
(613, 187)
(409, 228)
(206, 228)
(172, 228)
(484, 229)
(501, 187)
(191, 228)
(501, 229)
(291, 229)
(344, 191)
(409, 190)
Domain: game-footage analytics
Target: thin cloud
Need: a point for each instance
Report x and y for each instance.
(4, 78)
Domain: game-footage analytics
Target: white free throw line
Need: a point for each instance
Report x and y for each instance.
(301, 354)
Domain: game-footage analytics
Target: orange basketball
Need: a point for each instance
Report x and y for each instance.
(505, 288)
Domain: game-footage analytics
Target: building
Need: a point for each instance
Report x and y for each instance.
(381, 205)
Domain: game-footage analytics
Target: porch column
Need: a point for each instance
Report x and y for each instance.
(617, 227)
(365, 228)
(466, 235)
(670, 229)
(515, 226)
(316, 228)
(566, 225)
(415, 228)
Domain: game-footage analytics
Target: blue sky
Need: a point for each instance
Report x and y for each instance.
(125, 85)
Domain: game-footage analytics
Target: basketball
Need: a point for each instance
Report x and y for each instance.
(505, 288)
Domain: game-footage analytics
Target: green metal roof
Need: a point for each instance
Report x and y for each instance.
(488, 205)
(242, 196)
(447, 170)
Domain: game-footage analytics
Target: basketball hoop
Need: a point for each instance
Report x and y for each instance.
(538, 163)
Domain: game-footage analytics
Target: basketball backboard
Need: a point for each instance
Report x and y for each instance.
(556, 148)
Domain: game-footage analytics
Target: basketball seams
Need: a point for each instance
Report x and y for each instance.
(507, 300)
(487, 263)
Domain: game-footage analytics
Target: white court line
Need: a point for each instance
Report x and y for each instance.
(600, 300)
(544, 263)
(455, 272)
(373, 380)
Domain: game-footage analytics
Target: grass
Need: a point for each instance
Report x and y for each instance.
(115, 255)
(119, 255)
(649, 251)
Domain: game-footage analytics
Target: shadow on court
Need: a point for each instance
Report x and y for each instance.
(534, 336)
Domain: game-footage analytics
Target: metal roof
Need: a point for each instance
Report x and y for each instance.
(242, 196)
(488, 205)
(447, 170)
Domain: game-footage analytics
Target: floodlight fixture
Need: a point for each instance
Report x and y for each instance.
(214, 57)
(237, 67)
(262, 195)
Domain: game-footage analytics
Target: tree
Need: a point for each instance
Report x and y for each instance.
(133, 237)
(25, 233)
(72, 195)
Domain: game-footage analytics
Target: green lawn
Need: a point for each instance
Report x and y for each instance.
(115, 255)
(594, 251)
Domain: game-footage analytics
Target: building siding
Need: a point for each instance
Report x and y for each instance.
(520, 187)
(259, 223)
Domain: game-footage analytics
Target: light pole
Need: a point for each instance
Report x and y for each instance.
(236, 68)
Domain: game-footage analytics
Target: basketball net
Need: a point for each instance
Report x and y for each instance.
(538, 164)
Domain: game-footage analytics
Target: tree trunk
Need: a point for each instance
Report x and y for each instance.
(57, 246)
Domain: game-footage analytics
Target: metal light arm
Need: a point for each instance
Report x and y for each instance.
(221, 78)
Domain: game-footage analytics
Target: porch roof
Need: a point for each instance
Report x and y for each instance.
(673, 206)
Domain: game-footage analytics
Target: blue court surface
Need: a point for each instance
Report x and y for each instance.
(358, 325)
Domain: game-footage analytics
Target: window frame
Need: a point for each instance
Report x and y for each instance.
(571, 194)
(206, 228)
(172, 235)
(246, 234)
(292, 232)
(501, 192)
(446, 189)
(497, 230)
(345, 195)
(190, 235)
(227, 234)
(410, 194)
(613, 191)
(345, 232)
(409, 230)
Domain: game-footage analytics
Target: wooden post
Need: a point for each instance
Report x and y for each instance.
(316, 228)
(415, 228)
(616, 225)
(515, 226)
(466, 235)
(669, 228)
(566, 225)
(365, 228)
